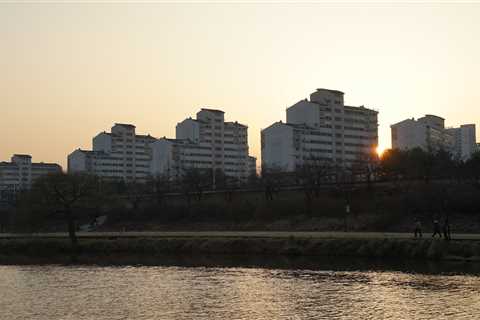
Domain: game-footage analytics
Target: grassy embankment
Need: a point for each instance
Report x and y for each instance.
(104, 249)
(385, 207)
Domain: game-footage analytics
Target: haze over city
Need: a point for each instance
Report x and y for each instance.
(71, 71)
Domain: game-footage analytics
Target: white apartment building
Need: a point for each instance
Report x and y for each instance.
(20, 173)
(120, 154)
(322, 129)
(429, 133)
(170, 157)
(207, 142)
(252, 166)
(464, 141)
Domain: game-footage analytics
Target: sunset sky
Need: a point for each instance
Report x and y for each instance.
(70, 71)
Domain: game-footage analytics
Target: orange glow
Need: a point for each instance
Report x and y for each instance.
(70, 72)
(380, 150)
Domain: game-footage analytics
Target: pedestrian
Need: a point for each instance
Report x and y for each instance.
(446, 229)
(417, 229)
(347, 212)
(268, 192)
(436, 229)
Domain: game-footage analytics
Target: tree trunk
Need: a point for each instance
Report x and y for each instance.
(160, 198)
(71, 229)
(308, 201)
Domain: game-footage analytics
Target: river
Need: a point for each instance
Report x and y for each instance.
(194, 292)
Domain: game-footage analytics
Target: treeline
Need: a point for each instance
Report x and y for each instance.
(419, 164)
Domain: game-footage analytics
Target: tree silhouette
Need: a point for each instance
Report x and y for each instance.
(63, 193)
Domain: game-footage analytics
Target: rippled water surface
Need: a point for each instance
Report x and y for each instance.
(89, 292)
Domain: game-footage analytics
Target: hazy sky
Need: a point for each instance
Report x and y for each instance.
(68, 72)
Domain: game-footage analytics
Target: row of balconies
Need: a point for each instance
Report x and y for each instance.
(317, 150)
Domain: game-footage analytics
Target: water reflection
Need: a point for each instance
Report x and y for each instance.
(94, 292)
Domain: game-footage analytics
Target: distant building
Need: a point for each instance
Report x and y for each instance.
(20, 173)
(121, 154)
(252, 166)
(322, 129)
(170, 157)
(207, 142)
(429, 133)
(464, 141)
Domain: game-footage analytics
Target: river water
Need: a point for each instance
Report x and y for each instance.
(194, 292)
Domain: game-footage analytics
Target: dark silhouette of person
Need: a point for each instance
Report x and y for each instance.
(418, 229)
(269, 192)
(436, 229)
(446, 229)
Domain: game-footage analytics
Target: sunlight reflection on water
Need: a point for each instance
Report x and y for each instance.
(91, 292)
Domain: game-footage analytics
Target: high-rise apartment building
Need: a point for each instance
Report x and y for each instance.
(119, 154)
(429, 133)
(207, 142)
(464, 141)
(20, 173)
(322, 129)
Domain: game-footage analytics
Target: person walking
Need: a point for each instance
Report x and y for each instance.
(446, 229)
(268, 192)
(436, 229)
(417, 229)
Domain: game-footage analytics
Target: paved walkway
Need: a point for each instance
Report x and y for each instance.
(235, 234)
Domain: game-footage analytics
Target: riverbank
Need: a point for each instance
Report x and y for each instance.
(105, 247)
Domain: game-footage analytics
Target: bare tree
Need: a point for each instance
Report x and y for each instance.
(366, 169)
(472, 168)
(272, 178)
(64, 192)
(160, 185)
(135, 193)
(194, 181)
(230, 186)
(310, 175)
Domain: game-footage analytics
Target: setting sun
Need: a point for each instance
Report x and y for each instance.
(380, 150)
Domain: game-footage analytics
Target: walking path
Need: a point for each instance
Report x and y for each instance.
(235, 234)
